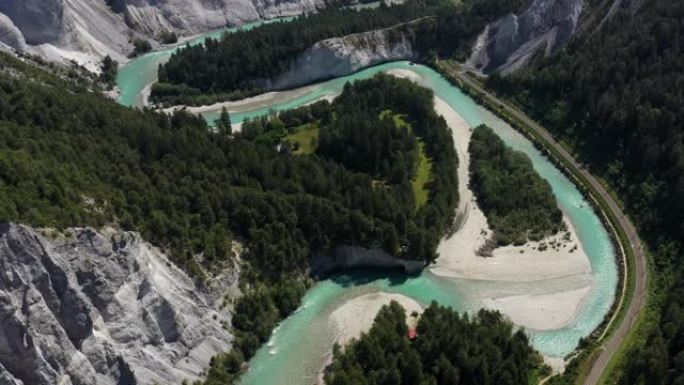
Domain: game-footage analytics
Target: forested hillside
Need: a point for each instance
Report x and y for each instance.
(233, 65)
(402, 114)
(69, 157)
(237, 61)
(374, 127)
(518, 203)
(381, 108)
(449, 349)
(616, 97)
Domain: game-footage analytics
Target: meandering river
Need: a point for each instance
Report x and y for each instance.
(299, 346)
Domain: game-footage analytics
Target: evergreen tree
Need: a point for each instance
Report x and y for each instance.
(450, 349)
(109, 69)
(615, 96)
(223, 123)
(234, 65)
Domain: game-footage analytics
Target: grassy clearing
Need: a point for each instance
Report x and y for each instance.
(423, 173)
(424, 169)
(304, 139)
(399, 120)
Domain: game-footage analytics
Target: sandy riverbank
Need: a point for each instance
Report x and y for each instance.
(540, 311)
(356, 316)
(264, 100)
(536, 263)
(248, 104)
(237, 127)
(404, 74)
(530, 262)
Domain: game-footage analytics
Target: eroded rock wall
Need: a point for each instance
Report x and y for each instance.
(87, 30)
(101, 308)
(510, 42)
(342, 56)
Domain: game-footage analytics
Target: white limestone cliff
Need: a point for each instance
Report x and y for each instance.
(101, 308)
(342, 56)
(87, 30)
(510, 42)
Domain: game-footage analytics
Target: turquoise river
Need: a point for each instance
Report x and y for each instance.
(300, 345)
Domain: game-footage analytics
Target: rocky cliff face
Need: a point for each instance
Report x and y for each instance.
(10, 35)
(101, 308)
(510, 42)
(196, 16)
(87, 30)
(344, 55)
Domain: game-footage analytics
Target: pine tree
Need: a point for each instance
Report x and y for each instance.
(223, 123)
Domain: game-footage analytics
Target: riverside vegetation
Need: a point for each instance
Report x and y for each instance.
(518, 203)
(233, 66)
(449, 349)
(615, 97)
(193, 190)
(69, 157)
(356, 130)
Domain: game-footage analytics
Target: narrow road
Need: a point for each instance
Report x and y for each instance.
(638, 299)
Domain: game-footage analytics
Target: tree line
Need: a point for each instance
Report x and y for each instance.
(237, 64)
(238, 61)
(449, 349)
(518, 203)
(69, 157)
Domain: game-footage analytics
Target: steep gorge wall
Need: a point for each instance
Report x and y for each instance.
(345, 55)
(510, 42)
(101, 308)
(196, 16)
(87, 30)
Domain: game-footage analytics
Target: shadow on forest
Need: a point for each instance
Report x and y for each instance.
(359, 277)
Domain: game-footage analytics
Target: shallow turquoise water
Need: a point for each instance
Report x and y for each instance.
(298, 346)
(295, 339)
(138, 73)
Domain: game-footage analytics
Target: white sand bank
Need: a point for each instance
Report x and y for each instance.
(404, 74)
(145, 95)
(458, 254)
(528, 267)
(557, 364)
(357, 315)
(249, 104)
(540, 312)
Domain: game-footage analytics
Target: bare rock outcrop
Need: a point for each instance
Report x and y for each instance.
(196, 16)
(10, 35)
(24, 15)
(510, 42)
(101, 308)
(345, 55)
(85, 31)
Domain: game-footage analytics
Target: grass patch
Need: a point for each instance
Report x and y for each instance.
(420, 181)
(399, 119)
(424, 169)
(304, 139)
